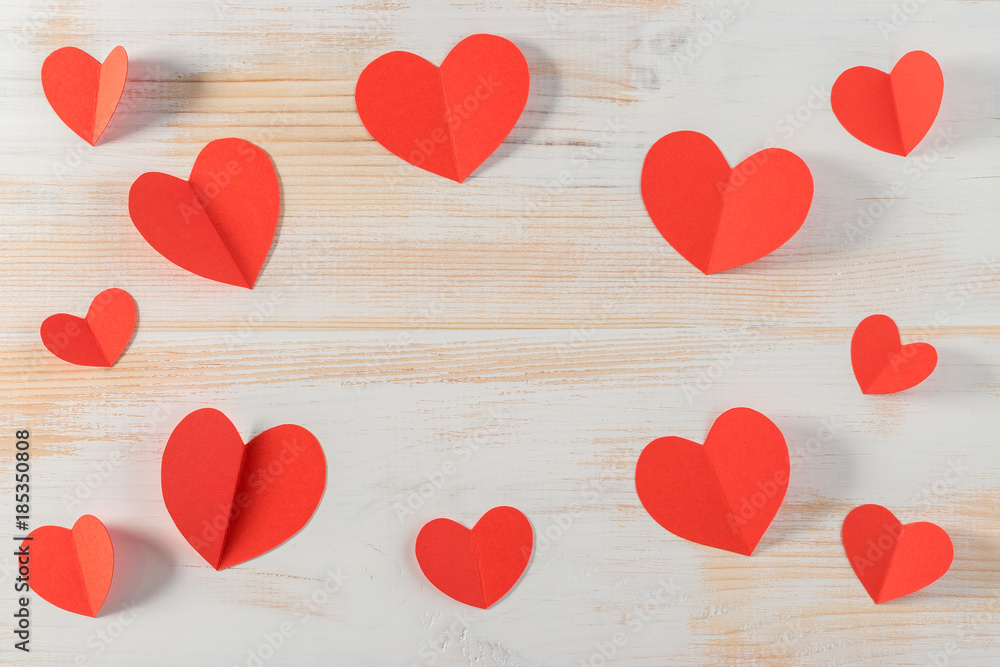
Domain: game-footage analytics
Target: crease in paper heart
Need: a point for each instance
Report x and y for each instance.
(446, 120)
(722, 494)
(218, 224)
(97, 339)
(233, 502)
(891, 559)
(476, 567)
(71, 568)
(890, 112)
(83, 92)
(719, 217)
(882, 364)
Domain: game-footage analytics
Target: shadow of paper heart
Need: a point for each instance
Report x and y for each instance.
(821, 468)
(959, 370)
(142, 569)
(543, 93)
(154, 90)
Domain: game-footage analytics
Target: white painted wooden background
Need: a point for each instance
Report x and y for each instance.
(530, 326)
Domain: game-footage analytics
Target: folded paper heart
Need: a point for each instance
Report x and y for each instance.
(218, 224)
(70, 568)
(722, 494)
(890, 112)
(882, 364)
(890, 559)
(719, 217)
(479, 566)
(97, 339)
(233, 502)
(83, 92)
(449, 119)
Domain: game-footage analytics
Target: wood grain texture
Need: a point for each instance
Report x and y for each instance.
(528, 331)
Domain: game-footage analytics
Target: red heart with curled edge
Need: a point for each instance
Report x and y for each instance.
(882, 364)
(83, 92)
(890, 112)
(722, 494)
(97, 339)
(71, 567)
(233, 502)
(719, 217)
(892, 559)
(218, 224)
(479, 566)
(446, 120)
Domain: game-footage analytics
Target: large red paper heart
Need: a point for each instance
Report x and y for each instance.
(719, 218)
(476, 567)
(71, 568)
(233, 502)
(890, 559)
(722, 494)
(891, 112)
(218, 224)
(882, 365)
(446, 119)
(100, 337)
(83, 92)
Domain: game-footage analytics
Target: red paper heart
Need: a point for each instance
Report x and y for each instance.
(722, 494)
(233, 502)
(719, 218)
(890, 559)
(220, 223)
(881, 364)
(83, 92)
(98, 339)
(449, 119)
(476, 567)
(891, 112)
(71, 568)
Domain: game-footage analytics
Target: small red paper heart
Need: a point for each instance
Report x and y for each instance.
(719, 218)
(476, 567)
(891, 112)
(83, 92)
(882, 365)
(71, 568)
(449, 119)
(218, 224)
(100, 337)
(722, 494)
(233, 502)
(890, 559)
